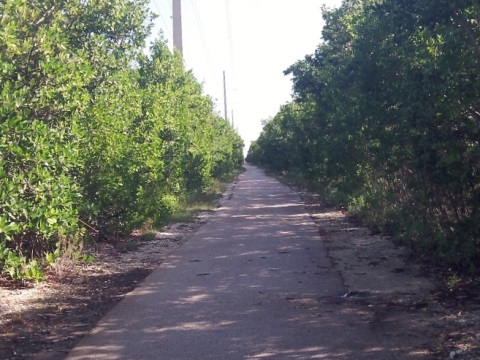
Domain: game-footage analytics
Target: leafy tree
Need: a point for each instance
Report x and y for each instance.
(94, 135)
(390, 121)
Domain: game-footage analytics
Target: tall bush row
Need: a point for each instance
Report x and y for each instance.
(386, 121)
(95, 136)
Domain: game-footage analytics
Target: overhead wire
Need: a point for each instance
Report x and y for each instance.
(230, 36)
(169, 2)
(170, 32)
(230, 43)
(201, 31)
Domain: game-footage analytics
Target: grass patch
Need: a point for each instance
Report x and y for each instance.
(148, 236)
(207, 201)
(189, 208)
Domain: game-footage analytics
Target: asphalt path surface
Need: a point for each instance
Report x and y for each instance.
(254, 282)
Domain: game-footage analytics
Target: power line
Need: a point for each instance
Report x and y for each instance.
(230, 42)
(230, 37)
(201, 30)
(163, 20)
(169, 2)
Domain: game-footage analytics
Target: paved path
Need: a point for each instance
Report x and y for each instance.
(253, 283)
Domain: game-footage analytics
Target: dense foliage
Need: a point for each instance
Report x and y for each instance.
(386, 121)
(95, 136)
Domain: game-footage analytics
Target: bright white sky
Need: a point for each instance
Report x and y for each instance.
(253, 41)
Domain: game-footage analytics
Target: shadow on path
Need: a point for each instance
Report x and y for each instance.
(253, 283)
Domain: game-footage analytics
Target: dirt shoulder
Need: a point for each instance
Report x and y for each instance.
(403, 301)
(46, 320)
(409, 306)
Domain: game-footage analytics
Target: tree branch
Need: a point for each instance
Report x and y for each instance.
(468, 32)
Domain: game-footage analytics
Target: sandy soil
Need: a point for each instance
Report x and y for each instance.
(405, 299)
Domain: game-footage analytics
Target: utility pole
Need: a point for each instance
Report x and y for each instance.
(225, 95)
(177, 25)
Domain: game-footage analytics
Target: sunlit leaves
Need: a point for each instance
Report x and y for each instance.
(92, 132)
